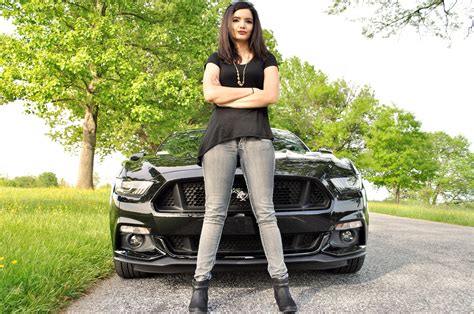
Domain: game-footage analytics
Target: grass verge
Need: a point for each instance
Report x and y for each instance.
(54, 244)
(457, 216)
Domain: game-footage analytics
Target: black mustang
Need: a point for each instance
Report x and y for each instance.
(157, 211)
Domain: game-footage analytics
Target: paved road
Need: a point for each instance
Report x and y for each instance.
(411, 266)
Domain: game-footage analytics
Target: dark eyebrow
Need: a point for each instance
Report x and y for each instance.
(238, 17)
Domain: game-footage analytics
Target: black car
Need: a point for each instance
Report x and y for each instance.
(157, 211)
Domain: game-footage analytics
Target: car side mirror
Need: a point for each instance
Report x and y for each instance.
(325, 150)
(137, 156)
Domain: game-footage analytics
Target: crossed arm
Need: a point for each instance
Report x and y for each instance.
(235, 97)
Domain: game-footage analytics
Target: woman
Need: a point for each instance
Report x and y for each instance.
(241, 79)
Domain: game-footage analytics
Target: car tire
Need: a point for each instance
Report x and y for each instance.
(126, 271)
(353, 266)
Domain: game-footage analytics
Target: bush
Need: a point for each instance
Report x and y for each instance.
(6, 182)
(25, 182)
(47, 179)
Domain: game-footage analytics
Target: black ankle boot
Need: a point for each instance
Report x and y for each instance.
(198, 302)
(285, 302)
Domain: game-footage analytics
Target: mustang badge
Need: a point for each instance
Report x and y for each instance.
(241, 195)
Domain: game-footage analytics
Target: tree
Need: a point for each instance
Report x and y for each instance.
(4, 181)
(24, 182)
(323, 114)
(438, 17)
(108, 75)
(47, 179)
(398, 153)
(454, 178)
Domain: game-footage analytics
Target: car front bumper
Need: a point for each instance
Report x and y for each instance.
(164, 259)
(167, 264)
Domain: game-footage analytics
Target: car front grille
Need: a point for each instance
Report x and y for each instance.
(243, 244)
(289, 193)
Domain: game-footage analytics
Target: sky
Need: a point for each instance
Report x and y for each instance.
(420, 74)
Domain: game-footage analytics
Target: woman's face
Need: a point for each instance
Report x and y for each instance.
(242, 25)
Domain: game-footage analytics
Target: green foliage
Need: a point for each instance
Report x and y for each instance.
(454, 178)
(21, 182)
(6, 182)
(270, 42)
(439, 18)
(323, 114)
(47, 179)
(137, 65)
(398, 153)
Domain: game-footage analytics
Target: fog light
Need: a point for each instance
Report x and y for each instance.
(347, 236)
(136, 240)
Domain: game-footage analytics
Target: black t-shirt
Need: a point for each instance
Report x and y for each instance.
(227, 124)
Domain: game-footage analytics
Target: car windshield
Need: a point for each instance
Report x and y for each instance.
(187, 143)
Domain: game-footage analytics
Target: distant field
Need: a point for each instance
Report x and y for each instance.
(54, 244)
(457, 216)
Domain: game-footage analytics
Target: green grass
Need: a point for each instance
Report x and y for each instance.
(54, 244)
(452, 215)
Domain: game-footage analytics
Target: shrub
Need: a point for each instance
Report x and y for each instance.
(47, 179)
(25, 182)
(6, 182)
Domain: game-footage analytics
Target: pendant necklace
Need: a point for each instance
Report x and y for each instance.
(241, 83)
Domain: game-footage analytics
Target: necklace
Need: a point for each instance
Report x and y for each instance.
(238, 74)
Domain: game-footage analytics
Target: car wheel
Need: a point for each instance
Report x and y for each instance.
(126, 271)
(353, 266)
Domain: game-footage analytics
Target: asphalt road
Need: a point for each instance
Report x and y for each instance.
(411, 266)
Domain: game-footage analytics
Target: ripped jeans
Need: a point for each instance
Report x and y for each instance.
(257, 160)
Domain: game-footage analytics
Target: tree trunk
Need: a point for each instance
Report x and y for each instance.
(397, 194)
(435, 198)
(86, 162)
(435, 194)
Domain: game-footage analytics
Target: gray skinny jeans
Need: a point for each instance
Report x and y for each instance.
(257, 160)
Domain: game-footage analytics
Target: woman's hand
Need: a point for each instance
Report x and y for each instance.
(261, 98)
(214, 92)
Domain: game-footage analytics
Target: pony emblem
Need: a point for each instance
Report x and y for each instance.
(240, 194)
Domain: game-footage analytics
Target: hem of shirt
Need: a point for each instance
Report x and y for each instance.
(199, 157)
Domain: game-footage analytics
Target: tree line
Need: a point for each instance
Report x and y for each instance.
(385, 142)
(43, 180)
(121, 75)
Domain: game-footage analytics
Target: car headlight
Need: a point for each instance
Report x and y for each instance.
(132, 187)
(347, 184)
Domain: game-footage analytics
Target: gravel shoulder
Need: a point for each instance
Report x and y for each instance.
(411, 266)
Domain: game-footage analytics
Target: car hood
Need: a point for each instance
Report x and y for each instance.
(314, 164)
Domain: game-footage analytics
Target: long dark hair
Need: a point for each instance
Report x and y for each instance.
(227, 49)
